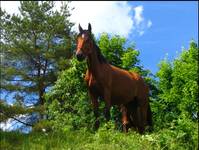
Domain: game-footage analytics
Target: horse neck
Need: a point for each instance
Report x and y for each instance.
(93, 62)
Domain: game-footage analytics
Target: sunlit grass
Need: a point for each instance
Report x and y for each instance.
(100, 140)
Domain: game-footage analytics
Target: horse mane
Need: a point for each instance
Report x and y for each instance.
(100, 56)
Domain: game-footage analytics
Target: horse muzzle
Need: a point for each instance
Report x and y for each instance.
(80, 56)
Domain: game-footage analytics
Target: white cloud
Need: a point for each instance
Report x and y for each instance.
(138, 15)
(113, 17)
(104, 16)
(141, 33)
(141, 25)
(149, 24)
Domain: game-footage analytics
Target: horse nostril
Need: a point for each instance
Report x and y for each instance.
(80, 56)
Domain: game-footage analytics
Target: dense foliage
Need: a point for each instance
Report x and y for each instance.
(178, 87)
(176, 106)
(68, 102)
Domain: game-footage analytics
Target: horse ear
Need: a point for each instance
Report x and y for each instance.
(89, 27)
(80, 29)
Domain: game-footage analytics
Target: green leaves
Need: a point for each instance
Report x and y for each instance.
(130, 58)
(164, 75)
(117, 53)
(178, 86)
(31, 51)
(112, 48)
(69, 99)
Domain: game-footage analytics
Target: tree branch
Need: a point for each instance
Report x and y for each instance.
(27, 124)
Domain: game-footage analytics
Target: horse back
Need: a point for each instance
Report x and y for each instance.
(128, 85)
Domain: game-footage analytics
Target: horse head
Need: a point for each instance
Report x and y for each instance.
(84, 43)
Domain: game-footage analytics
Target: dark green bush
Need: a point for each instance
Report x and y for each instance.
(43, 126)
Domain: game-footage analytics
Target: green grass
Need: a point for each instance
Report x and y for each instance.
(100, 140)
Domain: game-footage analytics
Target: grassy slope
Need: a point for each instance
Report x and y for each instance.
(101, 140)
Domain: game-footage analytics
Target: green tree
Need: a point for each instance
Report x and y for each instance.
(68, 104)
(178, 85)
(185, 81)
(176, 106)
(35, 46)
(112, 48)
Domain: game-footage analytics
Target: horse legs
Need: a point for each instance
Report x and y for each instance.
(107, 98)
(136, 115)
(133, 120)
(124, 118)
(131, 108)
(139, 118)
(95, 105)
(142, 113)
(149, 118)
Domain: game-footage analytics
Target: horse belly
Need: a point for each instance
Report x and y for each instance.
(116, 100)
(124, 89)
(122, 94)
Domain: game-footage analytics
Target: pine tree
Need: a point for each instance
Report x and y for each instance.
(35, 46)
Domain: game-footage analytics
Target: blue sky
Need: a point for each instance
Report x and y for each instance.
(156, 27)
(174, 25)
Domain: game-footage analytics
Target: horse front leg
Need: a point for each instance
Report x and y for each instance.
(107, 98)
(95, 105)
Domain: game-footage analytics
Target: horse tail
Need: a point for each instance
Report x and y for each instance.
(149, 116)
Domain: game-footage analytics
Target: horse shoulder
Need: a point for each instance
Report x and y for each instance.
(106, 75)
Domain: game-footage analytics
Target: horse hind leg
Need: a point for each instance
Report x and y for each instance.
(131, 123)
(140, 115)
(140, 120)
(149, 118)
(132, 114)
(95, 104)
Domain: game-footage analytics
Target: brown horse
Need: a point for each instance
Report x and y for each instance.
(116, 86)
